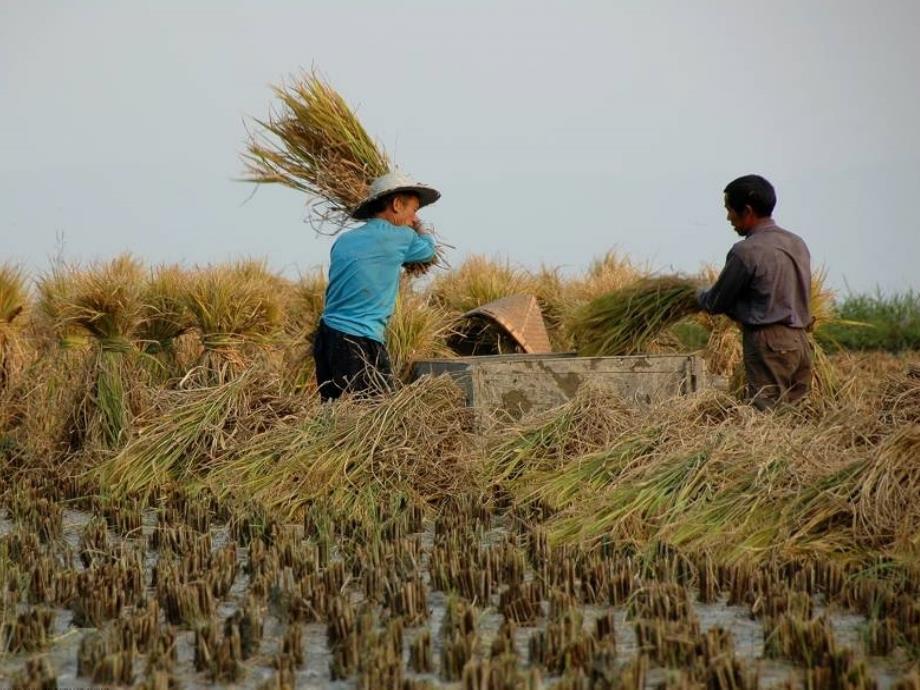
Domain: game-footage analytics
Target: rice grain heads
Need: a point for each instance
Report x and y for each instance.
(237, 312)
(164, 319)
(477, 281)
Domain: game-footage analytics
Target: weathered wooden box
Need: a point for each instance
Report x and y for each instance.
(512, 386)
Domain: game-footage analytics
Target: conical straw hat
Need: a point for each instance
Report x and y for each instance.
(520, 315)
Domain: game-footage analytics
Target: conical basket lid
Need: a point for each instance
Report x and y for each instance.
(520, 315)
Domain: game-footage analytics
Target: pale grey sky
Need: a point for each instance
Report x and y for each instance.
(556, 130)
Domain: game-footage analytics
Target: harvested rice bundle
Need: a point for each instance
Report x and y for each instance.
(478, 281)
(164, 319)
(735, 483)
(103, 300)
(888, 504)
(560, 299)
(54, 292)
(625, 321)
(588, 422)
(352, 454)
(13, 300)
(316, 144)
(180, 436)
(900, 397)
(416, 330)
(43, 405)
(229, 394)
(641, 441)
(237, 311)
(584, 477)
(723, 353)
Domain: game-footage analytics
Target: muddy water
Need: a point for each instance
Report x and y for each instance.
(747, 632)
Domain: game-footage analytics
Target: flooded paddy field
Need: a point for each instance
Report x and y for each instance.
(182, 594)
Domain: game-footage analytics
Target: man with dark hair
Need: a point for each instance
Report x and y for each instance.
(765, 286)
(349, 345)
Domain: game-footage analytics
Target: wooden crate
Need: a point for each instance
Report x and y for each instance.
(512, 386)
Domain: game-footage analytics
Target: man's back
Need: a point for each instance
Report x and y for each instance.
(779, 266)
(364, 276)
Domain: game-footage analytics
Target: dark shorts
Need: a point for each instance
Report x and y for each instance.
(777, 364)
(350, 364)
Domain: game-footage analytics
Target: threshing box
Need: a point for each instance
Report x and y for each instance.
(512, 386)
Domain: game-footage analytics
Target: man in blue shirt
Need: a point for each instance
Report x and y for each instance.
(349, 345)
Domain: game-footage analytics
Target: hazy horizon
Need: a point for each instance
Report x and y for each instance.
(556, 131)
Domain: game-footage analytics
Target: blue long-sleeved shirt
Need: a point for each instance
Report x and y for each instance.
(364, 275)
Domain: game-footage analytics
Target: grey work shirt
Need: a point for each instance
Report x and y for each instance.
(766, 280)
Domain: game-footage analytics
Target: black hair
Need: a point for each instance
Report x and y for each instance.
(381, 204)
(751, 190)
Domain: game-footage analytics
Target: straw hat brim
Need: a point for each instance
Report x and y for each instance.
(426, 195)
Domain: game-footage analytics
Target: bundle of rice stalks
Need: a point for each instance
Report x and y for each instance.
(315, 143)
(627, 320)
(237, 311)
(104, 301)
(54, 289)
(900, 397)
(416, 330)
(561, 299)
(186, 430)
(590, 421)
(723, 351)
(666, 434)
(355, 454)
(888, 504)
(715, 476)
(13, 301)
(164, 319)
(478, 281)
